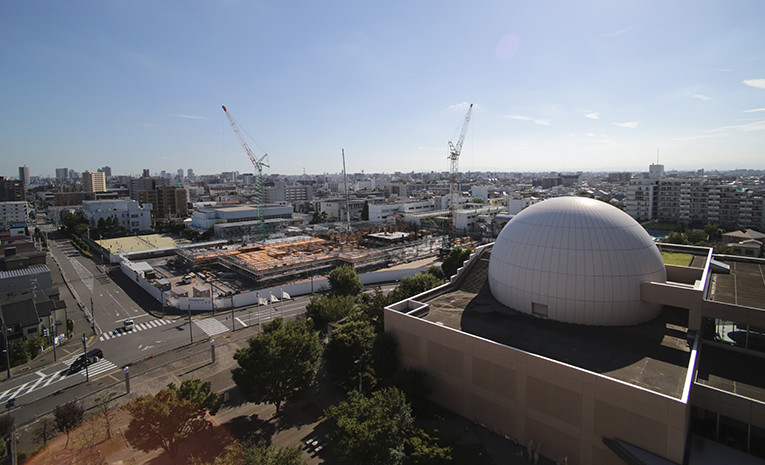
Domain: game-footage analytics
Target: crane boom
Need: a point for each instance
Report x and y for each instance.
(258, 164)
(454, 157)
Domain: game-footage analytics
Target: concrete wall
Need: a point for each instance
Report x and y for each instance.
(533, 398)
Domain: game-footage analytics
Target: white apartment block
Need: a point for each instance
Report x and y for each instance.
(12, 212)
(693, 200)
(379, 213)
(129, 213)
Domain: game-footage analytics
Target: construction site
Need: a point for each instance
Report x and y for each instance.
(283, 260)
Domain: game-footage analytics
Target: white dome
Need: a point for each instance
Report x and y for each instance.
(576, 260)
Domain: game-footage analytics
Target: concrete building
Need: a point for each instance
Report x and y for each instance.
(62, 174)
(24, 176)
(145, 183)
(166, 201)
(205, 217)
(129, 213)
(384, 212)
(336, 210)
(11, 189)
(93, 182)
(567, 332)
(107, 170)
(13, 212)
(693, 200)
(282, 192)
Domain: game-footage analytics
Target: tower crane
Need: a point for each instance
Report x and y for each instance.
(454, 158)
(258, 164)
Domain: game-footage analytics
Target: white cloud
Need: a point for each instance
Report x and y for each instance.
(754, 110)
(543, 122)
(756, 126)
(593, 115)
(701, 97)
(191, 117)
(457, 106)
(702, 136)
(759, 83)
(629, 124)
(619, 32)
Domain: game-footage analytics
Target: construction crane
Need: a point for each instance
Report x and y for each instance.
(258, 164)
(454, 158)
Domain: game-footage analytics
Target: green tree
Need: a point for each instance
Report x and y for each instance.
(199, 393)
(417, 284)
(675, 237)
(325, 309)
(385, 361)
(714, 232)
(6, 428)
(67, 417)
(163, 421)
(365, 211)
(370, 430)
(695, 237)
(318, 217)
(278, 363)
(454, 260)
(425, 449)
(344, 280)
(349, 352)
(372, 306)
(256, 454)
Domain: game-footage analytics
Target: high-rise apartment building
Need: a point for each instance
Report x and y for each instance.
(166, 201)
(693, 200)
(62, 174)
(93, 182)
(11, 189)
(107, 170)
(24, 175)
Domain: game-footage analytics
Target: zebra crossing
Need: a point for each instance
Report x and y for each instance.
(211, 326)
(43, 380)
(138, 327)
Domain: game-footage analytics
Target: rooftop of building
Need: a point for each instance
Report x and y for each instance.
(652, 355)
(745, 285)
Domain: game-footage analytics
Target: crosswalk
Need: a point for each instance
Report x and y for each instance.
(211, 326)
(43, 380)
(138, 327)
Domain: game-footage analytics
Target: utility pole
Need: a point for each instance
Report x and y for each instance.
(5, 348)
(85, 354)
(191, 335)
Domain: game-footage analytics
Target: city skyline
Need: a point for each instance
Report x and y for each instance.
(582, 86)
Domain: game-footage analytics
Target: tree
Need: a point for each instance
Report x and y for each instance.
(278, 363)
(370, 430)
(163, 420)
(365, 211)
(349, 352)
(256, 454)
(199, 393)
(44, 431)
(106, 408)
(6, 428)
(318, 217)
(385, 356)
(67, 417)
(325, 309)
(455, 259)
(344, 280)
(372, 307)
(424, 449)
(417, 284)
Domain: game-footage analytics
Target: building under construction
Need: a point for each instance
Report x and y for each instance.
(282, 260)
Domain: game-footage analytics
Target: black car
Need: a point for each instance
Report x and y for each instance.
(89, 358)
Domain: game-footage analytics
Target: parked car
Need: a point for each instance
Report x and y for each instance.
(88, 358)
(128, 324)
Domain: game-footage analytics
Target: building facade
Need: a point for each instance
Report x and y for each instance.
(130, 214)
(93, 182)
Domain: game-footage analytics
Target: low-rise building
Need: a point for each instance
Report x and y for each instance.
(129, 213)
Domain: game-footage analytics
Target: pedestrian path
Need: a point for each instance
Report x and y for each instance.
(138, 327)
(211, 326)
(94, 369)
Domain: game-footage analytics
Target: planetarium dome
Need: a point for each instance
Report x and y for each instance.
(575, 260)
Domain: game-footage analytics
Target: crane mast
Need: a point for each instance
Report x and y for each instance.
(258, 164)
(454, 157)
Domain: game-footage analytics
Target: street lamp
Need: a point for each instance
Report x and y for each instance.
(85, 354)
(5, 348)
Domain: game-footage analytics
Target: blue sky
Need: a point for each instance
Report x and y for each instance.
(595, 85)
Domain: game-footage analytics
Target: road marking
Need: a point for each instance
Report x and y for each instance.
(40, 374)
(18, 390)
(211, 326)
(138, 327)
(241, 322)
(52, 377)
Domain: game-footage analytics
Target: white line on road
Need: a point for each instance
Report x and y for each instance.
(241, 322)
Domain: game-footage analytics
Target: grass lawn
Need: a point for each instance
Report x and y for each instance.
(672, 258)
